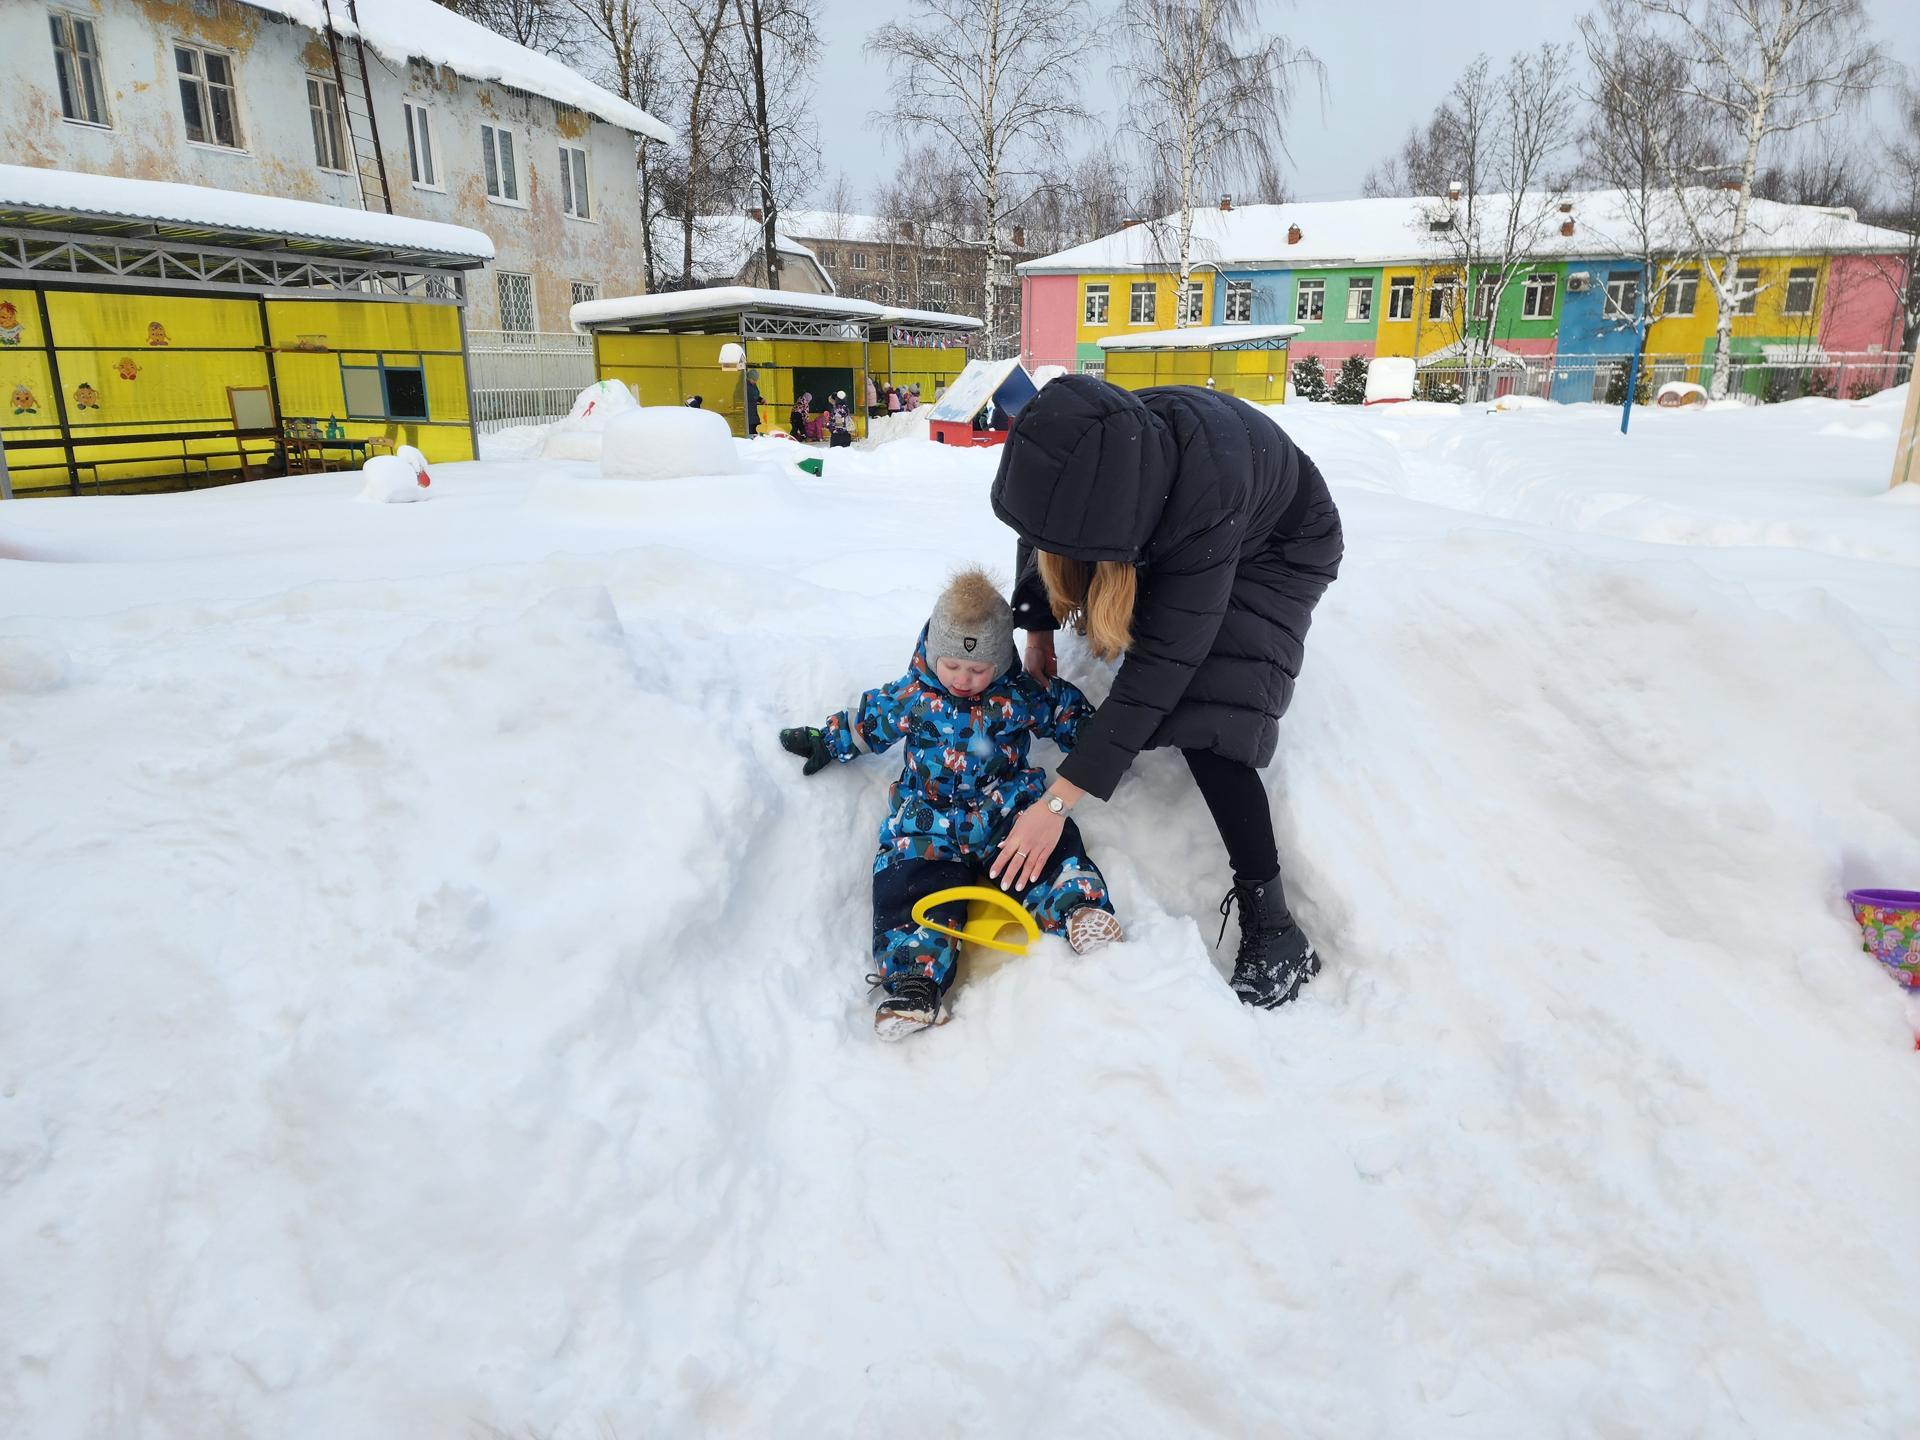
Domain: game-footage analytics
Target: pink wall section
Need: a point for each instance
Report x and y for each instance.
(1331, 352)
(1049, 312)
(1861, 310)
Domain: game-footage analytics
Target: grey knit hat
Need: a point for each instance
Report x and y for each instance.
(972, 622)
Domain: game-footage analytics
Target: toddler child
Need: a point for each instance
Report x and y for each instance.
(967, 713)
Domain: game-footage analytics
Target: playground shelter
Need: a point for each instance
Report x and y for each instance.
(154, 334)
(1249, 361)
(666, 348)
(958, 419)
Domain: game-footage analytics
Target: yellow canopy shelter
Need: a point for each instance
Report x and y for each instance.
(1249, 361)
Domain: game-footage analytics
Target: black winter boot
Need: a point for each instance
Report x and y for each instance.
(1275, 958)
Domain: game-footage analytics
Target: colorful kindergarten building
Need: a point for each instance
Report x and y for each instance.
(1819, 291)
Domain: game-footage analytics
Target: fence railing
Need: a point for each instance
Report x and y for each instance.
(1758, 379)
(526, 377)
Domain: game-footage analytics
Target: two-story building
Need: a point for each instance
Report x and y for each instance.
(1388, 277)
(403, 106)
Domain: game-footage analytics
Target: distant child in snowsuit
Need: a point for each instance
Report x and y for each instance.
(967, 713)
(839, 421)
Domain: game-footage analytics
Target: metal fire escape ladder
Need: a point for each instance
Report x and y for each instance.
(356, 99)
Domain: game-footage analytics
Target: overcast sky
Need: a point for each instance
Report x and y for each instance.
(1387, 65)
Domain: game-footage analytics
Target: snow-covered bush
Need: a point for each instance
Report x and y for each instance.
(1441, 391)
(390, 480)
(668, 442)
(578, 436)
(1350, 385)
(1309, 378)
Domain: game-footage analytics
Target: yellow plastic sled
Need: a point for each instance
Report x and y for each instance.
(990, 914)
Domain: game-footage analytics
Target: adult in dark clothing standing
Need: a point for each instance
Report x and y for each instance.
(1184, 534)
(753, 403)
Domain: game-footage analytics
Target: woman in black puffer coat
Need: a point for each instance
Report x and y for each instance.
(1182, 530)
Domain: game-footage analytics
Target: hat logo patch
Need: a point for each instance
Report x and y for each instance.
(969, 642)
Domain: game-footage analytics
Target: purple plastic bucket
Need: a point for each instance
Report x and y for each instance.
(1890, 930)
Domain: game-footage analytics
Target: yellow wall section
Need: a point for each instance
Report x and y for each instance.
(1690, 335)
(1256, 375)
(365, 325)
(1120, 303)
(1397, 337)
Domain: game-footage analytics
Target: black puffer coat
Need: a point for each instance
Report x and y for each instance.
(1236, 538)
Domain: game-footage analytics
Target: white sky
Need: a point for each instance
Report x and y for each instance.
(1387, 62)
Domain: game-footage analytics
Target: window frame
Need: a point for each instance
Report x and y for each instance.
(206, 86)
(1397, 286)
(1486, 296)
(1610, 306)
(1240, 291)
(1192, 308)
(1810, 275)
(1360, 287)
(382, 369)
(500, 300)
(574, 287)
(1746, 290)
(1104, 294)
(339, 118)
(491, 168)
(576, 184)
(67, 54)
(859, 259)
(417, 120)
(1540, 282)
(1688, 279)
(1443, 297)
(1301, 290)
(1143, 290)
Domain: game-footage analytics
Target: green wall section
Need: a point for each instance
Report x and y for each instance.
(1335, 326)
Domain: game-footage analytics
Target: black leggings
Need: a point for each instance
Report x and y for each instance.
(1238, 803)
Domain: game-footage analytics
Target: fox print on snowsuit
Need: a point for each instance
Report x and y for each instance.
(966, 776)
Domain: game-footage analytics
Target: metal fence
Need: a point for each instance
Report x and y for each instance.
(526, 377)
(1766, 378)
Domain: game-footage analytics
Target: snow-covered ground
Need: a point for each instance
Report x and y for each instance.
(432, 1003)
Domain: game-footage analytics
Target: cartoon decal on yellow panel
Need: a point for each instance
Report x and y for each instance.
(126, 369)
(85, 397)
(157, 333)
(9, 323)
(23, 401)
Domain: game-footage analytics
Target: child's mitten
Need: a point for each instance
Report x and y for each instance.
(808, 743)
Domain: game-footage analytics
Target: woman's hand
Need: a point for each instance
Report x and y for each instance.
(1040, 659)
(1027, 848)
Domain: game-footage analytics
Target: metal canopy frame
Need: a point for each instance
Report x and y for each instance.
(761, 325)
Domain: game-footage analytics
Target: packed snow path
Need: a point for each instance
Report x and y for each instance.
(432, 1001)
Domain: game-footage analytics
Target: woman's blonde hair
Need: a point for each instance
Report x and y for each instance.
(1096, 600)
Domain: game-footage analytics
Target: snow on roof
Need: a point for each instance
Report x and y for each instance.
(974, 386)
(723, 245)
(26, 187)
(721, 300)
(403, 30)
(835, 225)
(1475, 349)
(1203, 337)
(1373, 232)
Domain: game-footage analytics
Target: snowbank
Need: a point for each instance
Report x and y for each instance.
(432, 1002)
(667, 442)
(580, 435)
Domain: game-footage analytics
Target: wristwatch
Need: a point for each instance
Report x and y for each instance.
(1056, 805)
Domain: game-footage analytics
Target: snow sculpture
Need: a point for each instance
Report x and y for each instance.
(668, 442)
(391, 480)
(578, 436)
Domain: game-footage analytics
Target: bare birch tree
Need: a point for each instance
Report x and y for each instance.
(1209, 102)
(543, 25)
(995, 83)
(623, 34)
(1765, 68)
(697, 32)
(776, 35)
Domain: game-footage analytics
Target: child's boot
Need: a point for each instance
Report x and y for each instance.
(1090, 928)
(912, 1004)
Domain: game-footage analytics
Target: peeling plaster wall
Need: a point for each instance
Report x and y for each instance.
(272, 58)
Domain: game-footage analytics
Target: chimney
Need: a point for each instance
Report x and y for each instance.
(1733, 185)
(1566, 207)
(1293, 234)
(1019, 237)
(1226, 202)
(1129, 222)
(1453, 190)
(756, 214)
(1566, 226)
(906, 229)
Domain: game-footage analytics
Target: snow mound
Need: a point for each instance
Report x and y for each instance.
(1044, 374)
(390, 480)
(667, 442)
(1510, 403)
(579, 436)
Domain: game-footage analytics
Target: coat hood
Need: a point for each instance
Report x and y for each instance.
(1085, 471)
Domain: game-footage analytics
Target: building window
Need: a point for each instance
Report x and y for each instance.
(1239, 301)
(384, 391)
(516, 300)
(1536, 299)
(1310, 304)
(1360, 299)
(883, 293)
(859, 259)
(575, 198)
(1440, 297)
(1140, 308)
(1485, 289)
(1800, 287)
(497, 156)
(1623, 295)
(323, 111)
(1193, 307)
(585, 290)
(1400, 298)
(1608, 375)
(420, 166)
(76, 63)
(1683, 293)
(1096, 308)
(1746, 291)
(207, 99)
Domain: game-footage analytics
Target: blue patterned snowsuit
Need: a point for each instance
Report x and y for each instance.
(965, 778)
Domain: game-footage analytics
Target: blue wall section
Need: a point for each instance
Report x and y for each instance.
(1272, 296)
(1585, 330)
